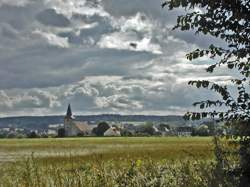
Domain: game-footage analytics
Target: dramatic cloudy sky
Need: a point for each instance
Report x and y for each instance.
(102, 56)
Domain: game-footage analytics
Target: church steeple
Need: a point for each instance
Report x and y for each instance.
(69, 112)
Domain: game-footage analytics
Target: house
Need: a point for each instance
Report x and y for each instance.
(156, 129)
(112, 131)
(184, 131)
(129, 128)
(73, 127)
(164, 129)
(52, 132)
(55, 126)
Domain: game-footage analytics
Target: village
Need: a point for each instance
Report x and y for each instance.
(74, 128)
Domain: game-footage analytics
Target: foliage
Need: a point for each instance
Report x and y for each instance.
(100, 161)
(147, 129)
(157, 148)
(129, 172)
(61, 133)
(126, 132)
(32, 135)
(3, 135)
(202, 131)
(162, 126)
(101, 128)
(228, 20)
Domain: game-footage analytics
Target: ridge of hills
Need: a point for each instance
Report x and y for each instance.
(42, 122)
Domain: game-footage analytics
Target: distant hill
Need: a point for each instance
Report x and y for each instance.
(42, 122)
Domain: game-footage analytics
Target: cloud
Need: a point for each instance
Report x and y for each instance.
(53, 39)
(117, 102)
(127, 42)
(8, 32)
(138, 23)
(134, 33)
(103, 56)
(31, 99)
(5, 100)
(17, 3)
(82, 7)
(52, 18)
(108, 94)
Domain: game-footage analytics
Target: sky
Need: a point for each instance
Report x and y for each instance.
(101, 56)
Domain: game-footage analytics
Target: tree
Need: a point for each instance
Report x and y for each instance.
(163, 126)
(101, 128)
(61, 133)
(148, 129)
(3, 135)
(32, 135)
(228, 20)
(202, 130)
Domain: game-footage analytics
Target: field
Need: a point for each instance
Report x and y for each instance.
(108, 148)
(137, 161)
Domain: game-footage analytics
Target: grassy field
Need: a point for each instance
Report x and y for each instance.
(156, 148)
(100, 162)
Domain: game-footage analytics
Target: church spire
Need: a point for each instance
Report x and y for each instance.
(69, 112)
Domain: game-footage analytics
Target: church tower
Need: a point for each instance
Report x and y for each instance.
(73, 127)
(68, 121)
(69, 113)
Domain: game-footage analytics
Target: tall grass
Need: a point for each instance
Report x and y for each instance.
(136, 162)
(154, 147)
(186, 173)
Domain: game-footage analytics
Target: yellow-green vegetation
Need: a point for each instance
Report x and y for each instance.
(137, 161)
(109, 148)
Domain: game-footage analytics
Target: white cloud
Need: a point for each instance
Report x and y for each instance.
(101, 56)
(139, 23)
(70, 7)
(21, 101)
(105, 94)
(226, 80)
(117, 102)
(5, 100)
(146, 45)
(53, 39)
(123, 41)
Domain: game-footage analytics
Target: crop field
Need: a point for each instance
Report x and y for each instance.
(120, 161)
(155, 148)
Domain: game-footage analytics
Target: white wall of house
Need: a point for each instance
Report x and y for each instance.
(70, 128)
(184, 133)
(112, 132)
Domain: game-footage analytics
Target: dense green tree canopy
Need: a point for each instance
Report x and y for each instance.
(101, 128)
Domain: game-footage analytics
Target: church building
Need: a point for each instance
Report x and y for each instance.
(73, 127)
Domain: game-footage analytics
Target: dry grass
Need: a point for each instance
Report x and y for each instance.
(155, 148)
(101, 162)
